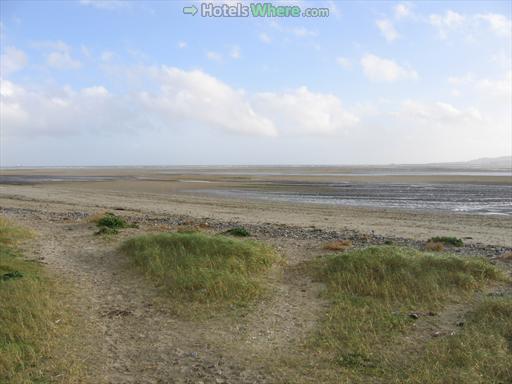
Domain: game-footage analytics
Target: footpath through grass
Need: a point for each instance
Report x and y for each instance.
(32, 322)
(200, 268)
(366, 332)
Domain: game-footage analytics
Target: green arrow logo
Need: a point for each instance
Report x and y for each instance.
(190, 10)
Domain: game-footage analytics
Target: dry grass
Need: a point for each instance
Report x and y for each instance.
(434, 246)
(506, 256)
(35, 327)
(96, 217)
(188, 228)
(339, 245)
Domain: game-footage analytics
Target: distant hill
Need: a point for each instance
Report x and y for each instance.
(502, 163)
(492, 162)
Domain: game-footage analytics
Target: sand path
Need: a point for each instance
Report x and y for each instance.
(133, 338)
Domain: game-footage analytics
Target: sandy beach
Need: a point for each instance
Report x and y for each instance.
(155, 191)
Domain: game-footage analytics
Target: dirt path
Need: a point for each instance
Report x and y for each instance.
(134, 339)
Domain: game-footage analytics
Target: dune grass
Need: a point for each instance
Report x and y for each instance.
(200, 268)
(372, 291)
(29, 318)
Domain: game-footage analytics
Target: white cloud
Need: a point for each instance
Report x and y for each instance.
(59, 55)
(302, 32)
(59, 111)
(12, 60)
(402, 10)
(447, 21)
(179, 99)
(265, 38)
(451, 20)
(333, 9)
(344, 62)
(304, 112)
(85, 51)
(52, 45)
(429, 129)
(438, 114)
(500, 24)
(182, 44)
(106, 4)
(214, 56)
(62, 60)
(197, 96)
(500, 87)
(106, 56)
(380, 69)
(95, 91)
(235, 52)
(387, 29)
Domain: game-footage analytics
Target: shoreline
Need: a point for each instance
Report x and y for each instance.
(168, 199)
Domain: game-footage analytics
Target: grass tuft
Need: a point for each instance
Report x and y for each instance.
(447, 240)
(434, 246)
(238, 232)
(110, 224)
(109, 220)
(339, 245)
(202, 268)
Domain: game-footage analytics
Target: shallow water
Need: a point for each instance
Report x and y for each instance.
(34, 179)
(469, 198)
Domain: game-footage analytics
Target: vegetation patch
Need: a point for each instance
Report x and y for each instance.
(374, 291)
(434, 246)
(339, 245)
(31, 318)
(447, 240)
(195, 267)
(506, 256)
(110, 220)
(480, 353)
(110, 224)
(238, 232)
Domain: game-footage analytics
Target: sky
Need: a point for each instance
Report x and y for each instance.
(85, 83)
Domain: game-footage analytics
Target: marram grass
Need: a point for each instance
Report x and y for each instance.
(201, 268)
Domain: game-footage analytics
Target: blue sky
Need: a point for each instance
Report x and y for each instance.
(125, 82)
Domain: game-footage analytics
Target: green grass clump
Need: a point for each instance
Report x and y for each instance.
(110, 224)
(238, 231)
(373, 290)
(202, 268)
(447, 240)
(109, 220)
(29, 312)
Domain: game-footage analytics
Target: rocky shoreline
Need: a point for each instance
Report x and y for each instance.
(260, 230)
